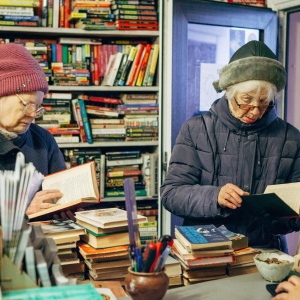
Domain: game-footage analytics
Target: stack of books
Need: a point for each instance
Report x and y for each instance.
(19, 13)
(128, 162)
(107, 238)
(92, 15)
(66, 234)
(244, 263)
(202, 247)
(142, 15)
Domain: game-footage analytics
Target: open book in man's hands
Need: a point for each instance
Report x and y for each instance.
(279, 200)
(79, 186)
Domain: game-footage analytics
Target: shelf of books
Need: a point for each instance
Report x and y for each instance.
(101, 59)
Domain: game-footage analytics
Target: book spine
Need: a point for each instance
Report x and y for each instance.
(102, 175)
(135, 64)
(85, 120)
(146, 76)
(128, 65)
(143, 67)
(153, 65)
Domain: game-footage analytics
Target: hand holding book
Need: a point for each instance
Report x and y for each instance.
(43, 200)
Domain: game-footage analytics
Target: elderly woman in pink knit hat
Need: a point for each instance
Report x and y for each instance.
(22, 87)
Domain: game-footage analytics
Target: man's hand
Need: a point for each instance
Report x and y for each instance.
(289, 290)
(43, 200)
(230, 196)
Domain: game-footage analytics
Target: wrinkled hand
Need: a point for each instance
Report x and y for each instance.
(43, 200)
(290, 289)
(229, 196)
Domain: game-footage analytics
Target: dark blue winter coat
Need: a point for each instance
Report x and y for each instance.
(38, 147)
(215, 148)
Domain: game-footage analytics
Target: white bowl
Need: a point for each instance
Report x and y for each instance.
(274, 271)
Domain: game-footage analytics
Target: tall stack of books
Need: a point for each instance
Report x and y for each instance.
(138, 15)
(107, 238)
(140, 126)
(124, 164)
(203, 252)
(65, 234)
(100, 112)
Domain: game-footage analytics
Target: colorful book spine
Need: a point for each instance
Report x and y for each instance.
(85, 120)
(153, 65)
(128, 65)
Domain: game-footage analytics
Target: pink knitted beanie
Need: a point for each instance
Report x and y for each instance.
(19, 71)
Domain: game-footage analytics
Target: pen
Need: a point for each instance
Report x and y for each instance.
(149, 257)
(162, 259)
(159, 246)
(138, 260)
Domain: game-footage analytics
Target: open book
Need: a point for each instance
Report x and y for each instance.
(279, 200)
(79, 186)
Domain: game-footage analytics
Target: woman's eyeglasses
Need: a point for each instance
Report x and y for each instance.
(250, 107)
(30, 108)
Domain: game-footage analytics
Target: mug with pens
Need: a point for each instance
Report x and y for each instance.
(145, 279)
(152, 258)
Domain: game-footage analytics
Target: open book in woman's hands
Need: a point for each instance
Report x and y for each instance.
(78, 184)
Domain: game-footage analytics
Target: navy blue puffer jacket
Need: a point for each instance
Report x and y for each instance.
(215, 148)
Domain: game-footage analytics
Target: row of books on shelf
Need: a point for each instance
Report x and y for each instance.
(87, 15)
(96, 118)
(112, 168)
(89, 62)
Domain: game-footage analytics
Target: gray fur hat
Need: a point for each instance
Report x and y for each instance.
(253, 61)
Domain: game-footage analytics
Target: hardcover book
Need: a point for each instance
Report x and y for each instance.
(279, 200)
(201, 237)
(106, 218)
(79, 186)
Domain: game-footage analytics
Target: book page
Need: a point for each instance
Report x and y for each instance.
(75, 183)
(289, 193)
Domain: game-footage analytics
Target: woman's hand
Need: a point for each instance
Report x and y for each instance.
(230, 196)
(289, 290)
(43, 200)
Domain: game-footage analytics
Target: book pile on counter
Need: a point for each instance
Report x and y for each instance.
(65, 234)
(206, 252)
(104, 247)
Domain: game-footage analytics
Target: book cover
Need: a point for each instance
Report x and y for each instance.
(106, 218)
(201, 237)
(280, 201)
(79, 186)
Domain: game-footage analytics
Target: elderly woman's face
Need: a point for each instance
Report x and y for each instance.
(12, 113)
(249, 107)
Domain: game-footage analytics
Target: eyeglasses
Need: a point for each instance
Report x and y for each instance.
(250, 107)
(30, 108)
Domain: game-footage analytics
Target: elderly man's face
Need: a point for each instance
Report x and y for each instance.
(249, 107)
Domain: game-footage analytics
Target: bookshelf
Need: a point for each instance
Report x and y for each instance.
(153, 36)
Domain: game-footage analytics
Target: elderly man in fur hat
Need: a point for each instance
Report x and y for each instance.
(235, 149)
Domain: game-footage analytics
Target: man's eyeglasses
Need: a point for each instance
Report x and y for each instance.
(250, 107)
(30, 108)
